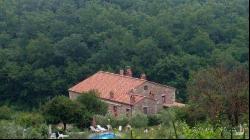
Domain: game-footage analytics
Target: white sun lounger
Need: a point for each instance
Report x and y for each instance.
(94, 130)
(101, 128)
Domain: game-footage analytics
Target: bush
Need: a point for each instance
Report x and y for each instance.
(122, 120)
(91, 101)
(30, 119)
(181, 113)
(102, 120)
(200, 131)
(6, 113)
(139, 120)
(10, 130)
(167, 116)
(110, 119)
(40, 132)
(153, 120)
(79, 135)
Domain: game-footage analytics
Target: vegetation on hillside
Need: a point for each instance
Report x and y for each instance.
(46, 46)
(200, 47)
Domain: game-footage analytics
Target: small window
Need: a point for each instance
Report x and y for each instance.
(151, 95)
(164, 99)
(132, 98)
(115, 110)
(145, 110)
(127, 112)
(146, 87)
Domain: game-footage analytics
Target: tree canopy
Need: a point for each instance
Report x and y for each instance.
(46, 46)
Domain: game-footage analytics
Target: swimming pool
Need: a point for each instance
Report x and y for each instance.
(107, 135)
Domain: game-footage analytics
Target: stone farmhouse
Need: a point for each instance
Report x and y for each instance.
(124, 93)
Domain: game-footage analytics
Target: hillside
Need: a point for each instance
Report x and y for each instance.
(46, 46)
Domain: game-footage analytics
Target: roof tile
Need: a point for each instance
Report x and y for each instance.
(105, 82)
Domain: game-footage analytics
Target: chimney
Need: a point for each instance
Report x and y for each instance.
(143, 76)
(129, 72)
(121, 72)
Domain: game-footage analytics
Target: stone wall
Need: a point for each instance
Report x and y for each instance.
(158, 91)
(146, 103)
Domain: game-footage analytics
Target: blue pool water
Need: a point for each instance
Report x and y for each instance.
(108, 135)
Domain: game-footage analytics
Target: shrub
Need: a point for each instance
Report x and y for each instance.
(153, 120)
(200, 131)
(6, 113)
(91, 101)
(110, 119)
(181, 113)
(139, 120)
(122, 120)
(79, 135)
(40, 132)
(29, 119)
(167, 117)
(102, 120)
(10, 130)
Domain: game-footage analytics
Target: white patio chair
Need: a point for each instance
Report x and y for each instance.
(109, 127)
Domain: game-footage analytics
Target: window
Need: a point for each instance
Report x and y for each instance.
(127, 112)
(132, 98)
(146, 87)
(145, 110)
(163, 98)
(151, 95)
(115, 110)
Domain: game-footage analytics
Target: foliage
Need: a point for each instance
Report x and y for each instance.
(62, 109)
(221, 91)
(10, 130)
(139, 120)
(167, 40)
(6, 113)
(29, 119)
(39, 132)
(153, 120)
(111, 120)
(167, 116)
(79, 135)
(122, 120)
(90, 105)
(199, 131)
(91, 101)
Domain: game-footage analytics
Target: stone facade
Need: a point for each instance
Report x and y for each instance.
(157, 92)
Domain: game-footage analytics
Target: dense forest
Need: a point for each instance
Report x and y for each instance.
(46, 46)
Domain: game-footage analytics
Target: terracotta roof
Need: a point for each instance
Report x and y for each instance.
(105, 82)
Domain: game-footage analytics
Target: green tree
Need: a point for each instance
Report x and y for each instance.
(93, 104)
(221, 91)
(61, 109)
